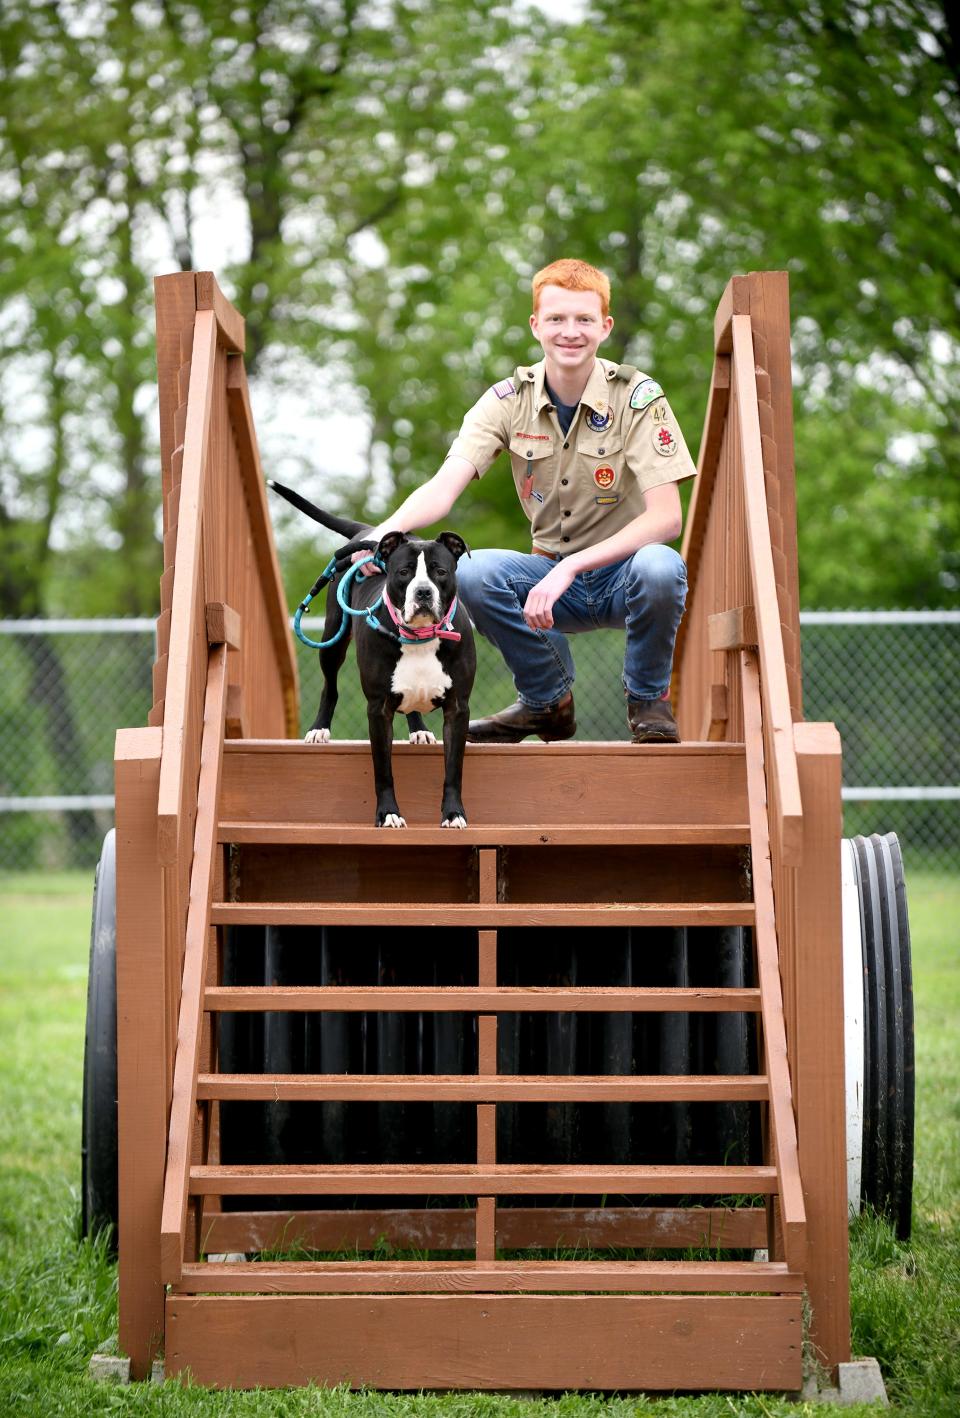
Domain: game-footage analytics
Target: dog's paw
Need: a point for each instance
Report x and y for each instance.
(317, 736)
(455, 821)
(422, 736)
(393, 819)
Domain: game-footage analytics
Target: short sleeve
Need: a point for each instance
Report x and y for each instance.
(485, 430)
(654, 447)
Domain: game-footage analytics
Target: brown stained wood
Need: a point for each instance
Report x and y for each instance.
(466, 1088)
(530, 999)
(734, 301)
(819, 1013)
(774, 686)
(295, 873)
(184, 607)
(468, 1180)
(488, 1342)
(733, 630)
(223, 625)
(141, 1045)
(231, 327)
(197, 938)
(455, 913)
(782, 1122)
(515, 784)
(436, 1228)
(176, 302)
(234, 725)
(531, 835)
(264, 548)
(613, 873)
(451, 1277)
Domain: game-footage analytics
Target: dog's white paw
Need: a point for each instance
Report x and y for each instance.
(317, 736)
(422, 736)
(454, 822)
(393, 819)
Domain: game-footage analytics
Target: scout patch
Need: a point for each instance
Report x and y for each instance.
(664, 441)
(599, 421)
(504, 389)
(659, 413)
(607, 501)
(604, 476)
(645, 393)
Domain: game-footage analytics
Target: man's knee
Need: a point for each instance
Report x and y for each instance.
(659, 573)
(481, 572)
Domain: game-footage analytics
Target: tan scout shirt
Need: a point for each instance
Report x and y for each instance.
(578, 488)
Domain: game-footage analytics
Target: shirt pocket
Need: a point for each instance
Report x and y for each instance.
(600, 462)
(532, 457)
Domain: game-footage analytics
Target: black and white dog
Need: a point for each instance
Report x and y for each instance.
(415, 652)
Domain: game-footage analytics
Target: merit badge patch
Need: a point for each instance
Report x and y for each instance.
(504, 389)
(599, 421)
(645, 393)
(664, 441)
(604, 476)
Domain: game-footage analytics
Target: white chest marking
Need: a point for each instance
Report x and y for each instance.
(419, 678)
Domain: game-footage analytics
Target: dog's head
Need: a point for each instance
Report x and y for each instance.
(421, 576)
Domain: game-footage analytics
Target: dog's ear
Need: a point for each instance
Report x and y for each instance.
(454, 543)
(389, 544)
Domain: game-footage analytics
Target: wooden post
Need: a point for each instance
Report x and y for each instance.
(141, 1045)
(819, 1086)
(486, 1241)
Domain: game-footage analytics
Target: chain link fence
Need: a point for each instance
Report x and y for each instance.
(890, 680)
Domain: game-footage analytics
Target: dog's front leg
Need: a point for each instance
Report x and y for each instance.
(380, 722)
(456, 717)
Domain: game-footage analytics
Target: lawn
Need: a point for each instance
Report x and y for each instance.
(57, 1295)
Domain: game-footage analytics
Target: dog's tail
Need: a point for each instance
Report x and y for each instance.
(326, 519)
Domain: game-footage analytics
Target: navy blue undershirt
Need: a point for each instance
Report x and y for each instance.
(565, 412)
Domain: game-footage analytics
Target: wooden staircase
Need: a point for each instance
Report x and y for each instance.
(739, 831)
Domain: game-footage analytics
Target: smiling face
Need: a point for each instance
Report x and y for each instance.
(570, 327)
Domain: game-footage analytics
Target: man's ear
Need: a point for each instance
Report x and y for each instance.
(389, 543)
(454, 543)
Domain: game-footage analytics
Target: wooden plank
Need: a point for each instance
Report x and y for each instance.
(457, 913)
(504, 785)
(592, 834)
(734, 301)
(819, 1011)
(471, 1088)
(488, 1342)
(782, 1120)
(184, 607)
(774, 686)
(264, 546)
(471, 998)
(492, 1277)
(733, 630)
(141, 1045)
(223, 625)
(183, 1104)
(473, 1180)
(231, 327)
(528, 1227)
(175, 300)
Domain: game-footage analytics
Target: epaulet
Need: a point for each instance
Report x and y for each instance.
(646, 391)
(504, 389)
(626, 372)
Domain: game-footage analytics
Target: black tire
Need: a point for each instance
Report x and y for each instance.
(99, 1199)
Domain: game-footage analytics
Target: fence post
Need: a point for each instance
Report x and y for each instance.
(142, 1066)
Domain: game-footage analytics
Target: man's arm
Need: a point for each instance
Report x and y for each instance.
(426, 504)
(661, 521)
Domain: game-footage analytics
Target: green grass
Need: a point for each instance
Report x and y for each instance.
(58, 1295)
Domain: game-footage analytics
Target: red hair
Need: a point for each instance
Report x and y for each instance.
(572, 275)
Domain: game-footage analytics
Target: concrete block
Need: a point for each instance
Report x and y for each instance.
(110, 1368)
(860, 1381)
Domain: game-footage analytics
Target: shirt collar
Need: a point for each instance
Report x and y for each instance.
(595, 395)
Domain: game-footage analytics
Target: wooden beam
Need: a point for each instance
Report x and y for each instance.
(733, 630)
(231, 328)
(734, 301)
(223, 625)
(495, 1088)
(461, 913)
(475, 999)
(592, 834)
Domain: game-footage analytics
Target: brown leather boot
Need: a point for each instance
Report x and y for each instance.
(652, 721)
(557, 721)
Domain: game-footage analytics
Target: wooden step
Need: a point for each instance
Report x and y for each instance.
(574, 784)
(474, 1179)
(476, 998)
(413, 1277)
(471, 1088)
(464, 913)
(587, 834)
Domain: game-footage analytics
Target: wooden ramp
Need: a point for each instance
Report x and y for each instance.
(554, 1233)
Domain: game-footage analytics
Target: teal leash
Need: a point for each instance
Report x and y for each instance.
(325, 577)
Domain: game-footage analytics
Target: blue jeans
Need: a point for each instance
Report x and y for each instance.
(644, 595)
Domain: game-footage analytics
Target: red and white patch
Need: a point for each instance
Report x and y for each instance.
(604, 476)
(664, 441)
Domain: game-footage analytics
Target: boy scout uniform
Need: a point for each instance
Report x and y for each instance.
(580, 487)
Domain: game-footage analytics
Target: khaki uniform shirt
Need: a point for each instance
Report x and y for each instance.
(580, 487)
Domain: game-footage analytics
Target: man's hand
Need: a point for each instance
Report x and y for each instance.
(538, 608)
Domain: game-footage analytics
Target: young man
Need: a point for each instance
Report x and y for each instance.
(596, 456)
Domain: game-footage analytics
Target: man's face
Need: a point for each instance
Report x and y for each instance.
(570, 327)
